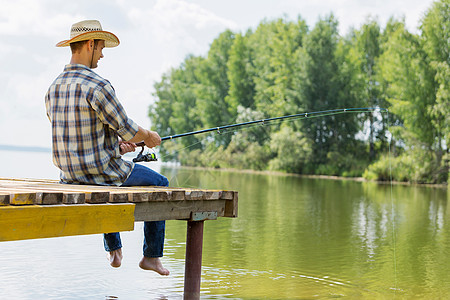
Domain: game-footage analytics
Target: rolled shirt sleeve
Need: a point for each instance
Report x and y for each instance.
(128, 131)
(112, 113)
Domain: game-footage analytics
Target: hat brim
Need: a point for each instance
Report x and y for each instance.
(111, 40)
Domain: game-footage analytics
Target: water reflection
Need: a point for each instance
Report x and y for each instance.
(312, 238)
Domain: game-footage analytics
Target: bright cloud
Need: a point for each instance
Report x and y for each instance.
(25, 17)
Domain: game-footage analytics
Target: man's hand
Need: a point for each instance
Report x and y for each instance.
(126, 147)
(150, 138)
(153, 139)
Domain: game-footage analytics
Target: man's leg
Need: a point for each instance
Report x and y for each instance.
(113, 246)
(154, 232)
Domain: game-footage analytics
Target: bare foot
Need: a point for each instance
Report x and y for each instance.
(153, 264)
(115, 258)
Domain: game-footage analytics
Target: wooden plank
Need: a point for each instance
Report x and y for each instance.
(155, 193)
(227, 195)
(95, 197)
(231, 207)
(213, 195)
(4, 198)
(140, 197)
(36, 221)
(93, 194)
(49, 196)
(73, 195)
(178, 195)
(198, 194)
(43, 196)
(121, 197)
(172, 194)
(158, 193)
(176, 210)
(201, 194)
(73, 198)
(19, 197)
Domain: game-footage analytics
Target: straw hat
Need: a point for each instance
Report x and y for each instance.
(89, 30)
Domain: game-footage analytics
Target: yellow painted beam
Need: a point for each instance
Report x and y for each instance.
(35, 221)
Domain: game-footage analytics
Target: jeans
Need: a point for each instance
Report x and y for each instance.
(154, 232)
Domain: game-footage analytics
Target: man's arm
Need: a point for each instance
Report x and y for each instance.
(111, 112)
(150, 138)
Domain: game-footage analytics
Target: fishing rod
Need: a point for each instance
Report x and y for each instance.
(152, 156)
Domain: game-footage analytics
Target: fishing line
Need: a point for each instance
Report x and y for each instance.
(394, 239)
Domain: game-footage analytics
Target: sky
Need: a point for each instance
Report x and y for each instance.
(155, 36)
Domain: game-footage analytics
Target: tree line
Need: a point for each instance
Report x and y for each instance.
(283, 67)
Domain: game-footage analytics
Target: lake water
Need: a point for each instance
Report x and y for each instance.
(295, 238)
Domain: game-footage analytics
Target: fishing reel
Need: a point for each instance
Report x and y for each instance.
(149, 156)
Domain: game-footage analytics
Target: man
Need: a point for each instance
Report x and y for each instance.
(91, 131)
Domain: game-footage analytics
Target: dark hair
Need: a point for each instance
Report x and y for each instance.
(76, 46)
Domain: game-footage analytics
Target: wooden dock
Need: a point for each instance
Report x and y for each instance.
(38, 208)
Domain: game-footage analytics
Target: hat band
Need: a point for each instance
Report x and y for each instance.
(82, 29)
(79, 30)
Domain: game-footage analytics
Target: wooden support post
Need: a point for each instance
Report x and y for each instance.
(193, 265)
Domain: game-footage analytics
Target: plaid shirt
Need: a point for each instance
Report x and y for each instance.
(87, 120)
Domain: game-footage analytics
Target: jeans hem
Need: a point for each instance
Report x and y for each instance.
(153, 256)
(110, 249)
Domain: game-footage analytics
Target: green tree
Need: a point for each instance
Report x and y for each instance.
(174, 111)
(292, 149)
(276, 48)
(212, 108)
(161, 111)
(366, 47)
(403, 66)
(326, 83)
(242, 87)
(436, 41)
(412, 91)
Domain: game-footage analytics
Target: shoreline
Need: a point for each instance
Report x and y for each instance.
(328, 177)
